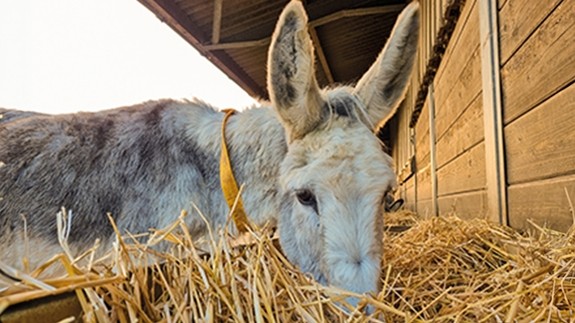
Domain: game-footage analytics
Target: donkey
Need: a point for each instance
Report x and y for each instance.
(309, 162)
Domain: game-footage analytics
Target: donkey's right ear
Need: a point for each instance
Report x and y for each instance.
(291, 79)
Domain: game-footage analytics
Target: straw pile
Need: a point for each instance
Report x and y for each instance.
(441, 269)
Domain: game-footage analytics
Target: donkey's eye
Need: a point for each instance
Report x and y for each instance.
(306, 198)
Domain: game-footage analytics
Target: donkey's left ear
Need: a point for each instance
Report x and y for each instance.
(292, 85)
(383, 86)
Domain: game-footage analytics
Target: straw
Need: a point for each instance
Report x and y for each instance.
(440, 269)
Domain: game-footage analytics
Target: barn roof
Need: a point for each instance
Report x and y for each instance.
(234, 35)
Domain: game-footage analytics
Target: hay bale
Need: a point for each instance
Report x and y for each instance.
(440, 269)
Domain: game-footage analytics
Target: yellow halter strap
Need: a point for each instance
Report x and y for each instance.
(228, 181)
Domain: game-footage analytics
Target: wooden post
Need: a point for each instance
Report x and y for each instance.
(492, 113)
(217, 22)
(433, 161)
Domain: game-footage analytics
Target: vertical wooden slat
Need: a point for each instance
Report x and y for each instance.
(493, 113)
(432, 151)
(217, 22)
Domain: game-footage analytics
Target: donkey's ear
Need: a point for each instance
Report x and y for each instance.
(291, 78)
(383, 86)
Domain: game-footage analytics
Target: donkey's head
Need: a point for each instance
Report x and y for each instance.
(335, 175)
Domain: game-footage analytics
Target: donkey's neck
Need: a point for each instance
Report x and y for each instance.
(257, 146)
(256, 143)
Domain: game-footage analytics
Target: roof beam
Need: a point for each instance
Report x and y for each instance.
(240, 44)
(217, 21)
(312, 24)
(380, 10)
(168, 12)
(321, 55)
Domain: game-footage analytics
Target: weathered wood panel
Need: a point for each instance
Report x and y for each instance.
(467, 130)
(422, 132)
(464, 174)
(422, 157)
(543, 65)
(463, 91)
(541, 144)
(424, 184)
(465, 205)
(464, 33)
(408, 194)
(425, 208)
(518, 19)
(544, 202)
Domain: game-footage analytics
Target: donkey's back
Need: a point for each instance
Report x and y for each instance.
(132, 162)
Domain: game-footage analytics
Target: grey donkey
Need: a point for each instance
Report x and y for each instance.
(308, 161)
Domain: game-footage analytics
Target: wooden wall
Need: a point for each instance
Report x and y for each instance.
(538, 90)
(536, 55)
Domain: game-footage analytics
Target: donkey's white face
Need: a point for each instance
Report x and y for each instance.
(335, 175)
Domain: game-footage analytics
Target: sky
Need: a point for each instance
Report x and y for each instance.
(61, 56)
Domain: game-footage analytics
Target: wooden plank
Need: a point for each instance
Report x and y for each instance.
(501, 3)
(432, 150)
(321, 55)
(357, 12)
(517, 20)
(409, 193)
(541, 143)
(459, 69)
(217, 21)
(424, 208)
(464, 174)
(424, 184)
(467, 131)
(173, 16)
(463, 91)
(467, 205)
(543, 65)
(242, 44)
(466, 32)
(492, 113)
(422, 138)
(544, 202)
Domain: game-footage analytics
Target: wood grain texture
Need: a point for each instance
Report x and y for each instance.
(517, 20)
(452, 98)
(424, 208)
(463, 34)
(424, 184)
(467, 130)
(408, 194)
(543, 65)
(465, 205)
(541, 144)
(501, 3)
(422, 130)
(544, 202)
(465, 173)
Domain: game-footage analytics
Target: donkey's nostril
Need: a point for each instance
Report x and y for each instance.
(357, 262)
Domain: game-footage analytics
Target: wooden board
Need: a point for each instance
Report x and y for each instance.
(541, 144)
(467, 205)
(424, 184)
(425, 208)
(517, 20)
(452, 98)
(464, 174)
(463, 34)
(545, 202)
(422, 130)
(543, 65)
(501, 3)
(408, 193)
(466, 131)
